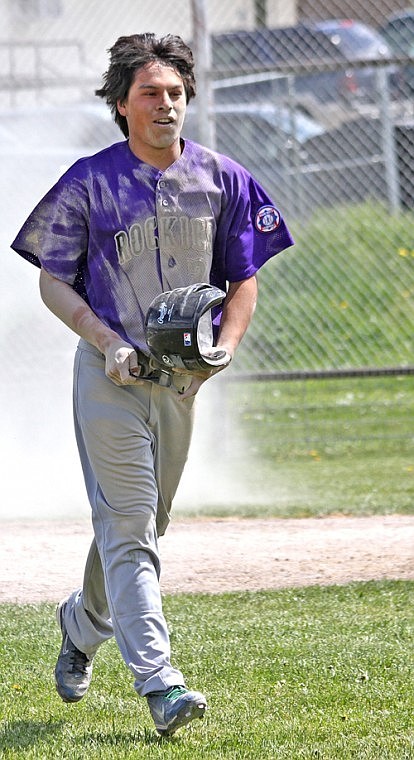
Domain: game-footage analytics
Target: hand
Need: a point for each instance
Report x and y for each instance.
(121, 363)
(193, 388)
(201, 376)
(220, 355)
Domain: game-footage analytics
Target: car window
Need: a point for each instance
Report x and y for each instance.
(400, 35)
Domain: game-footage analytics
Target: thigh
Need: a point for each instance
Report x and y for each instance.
(133, 441)
(117, 439)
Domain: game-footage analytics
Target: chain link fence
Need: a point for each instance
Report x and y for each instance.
(317, 105)
(315, 98)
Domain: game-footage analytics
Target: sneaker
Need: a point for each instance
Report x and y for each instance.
(73, 670)
(175, 707)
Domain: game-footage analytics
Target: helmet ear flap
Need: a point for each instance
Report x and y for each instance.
(178, 328)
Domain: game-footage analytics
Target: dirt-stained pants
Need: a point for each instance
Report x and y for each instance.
(133, 443)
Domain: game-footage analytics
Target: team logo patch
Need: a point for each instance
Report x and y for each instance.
(267, 219)
(187, 339)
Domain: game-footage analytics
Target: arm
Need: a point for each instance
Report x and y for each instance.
(121, 363)
(238, 310)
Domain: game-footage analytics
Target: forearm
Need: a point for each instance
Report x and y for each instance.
(238, 311)
(72, 310)
(121, 361)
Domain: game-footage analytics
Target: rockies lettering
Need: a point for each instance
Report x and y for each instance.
(172, 234)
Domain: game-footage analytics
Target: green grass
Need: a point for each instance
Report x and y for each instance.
(302, 673)
(343, 296)
(311, 448)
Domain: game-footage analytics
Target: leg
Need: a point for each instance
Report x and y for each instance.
(119, 428)
(86, 614)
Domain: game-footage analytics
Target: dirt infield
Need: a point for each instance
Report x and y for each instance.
(42, 561)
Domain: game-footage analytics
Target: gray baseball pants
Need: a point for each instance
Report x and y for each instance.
(133, 443)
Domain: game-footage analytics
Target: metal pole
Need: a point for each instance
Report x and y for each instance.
(296, 184)
(388, 142)
(260, 13)
(203, 59)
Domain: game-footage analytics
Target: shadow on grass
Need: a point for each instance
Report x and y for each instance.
(123, 739)
(21, 734)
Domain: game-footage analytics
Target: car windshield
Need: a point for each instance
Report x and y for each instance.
(297, 124)
(356, 40)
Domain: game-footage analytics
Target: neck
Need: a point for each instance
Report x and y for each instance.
(160, 158)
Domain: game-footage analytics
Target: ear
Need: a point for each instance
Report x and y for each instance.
(120, 104)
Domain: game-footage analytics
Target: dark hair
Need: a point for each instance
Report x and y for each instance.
(129, 54)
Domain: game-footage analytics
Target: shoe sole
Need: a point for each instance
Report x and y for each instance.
(186, 715)
(64, 698)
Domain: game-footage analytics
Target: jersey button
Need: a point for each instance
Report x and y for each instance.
(165, 203)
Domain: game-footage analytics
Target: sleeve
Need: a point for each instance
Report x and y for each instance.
(55, 235)
(252, 229)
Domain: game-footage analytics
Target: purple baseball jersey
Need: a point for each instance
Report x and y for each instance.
(120, 231)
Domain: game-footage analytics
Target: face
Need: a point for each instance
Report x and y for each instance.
(154, 109)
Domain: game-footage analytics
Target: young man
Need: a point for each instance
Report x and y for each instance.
(143, 216)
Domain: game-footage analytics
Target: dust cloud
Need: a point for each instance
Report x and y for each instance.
(42, 477)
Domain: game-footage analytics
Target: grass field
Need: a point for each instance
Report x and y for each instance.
(314, 447)
(302, 673)
(342, 297)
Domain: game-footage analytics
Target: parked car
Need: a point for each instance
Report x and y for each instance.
(305, 48)
(359, 42)
(296, 47)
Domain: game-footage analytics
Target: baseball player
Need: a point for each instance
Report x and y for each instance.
(149, 214)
